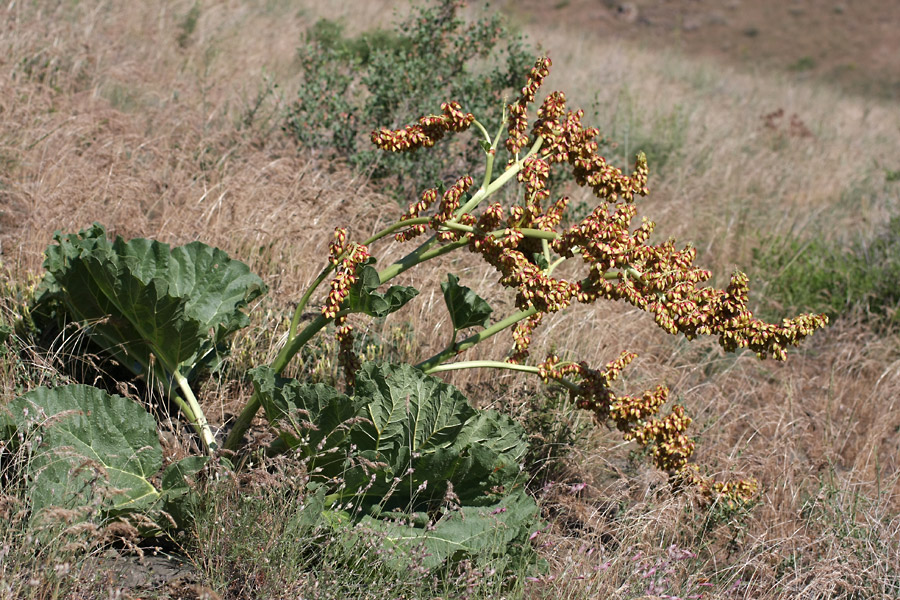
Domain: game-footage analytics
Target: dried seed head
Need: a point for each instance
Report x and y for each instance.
(424, 134)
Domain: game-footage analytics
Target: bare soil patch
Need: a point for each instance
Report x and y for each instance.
(854, 45)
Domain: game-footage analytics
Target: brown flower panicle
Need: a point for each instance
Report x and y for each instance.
(619, 263)
(429, 197)
(450, 202)
(424, 134)
(522, 338)
(336, 248)
(518, 112)
(345, 276)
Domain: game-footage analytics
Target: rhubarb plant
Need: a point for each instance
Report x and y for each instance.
(399, 438)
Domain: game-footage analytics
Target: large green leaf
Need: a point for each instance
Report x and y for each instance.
(411, 442)
(500, 529)
(90, 446)
(405, 435)
(365, 298)
(467, 309)
(315, 419)
(177, 492)
(426, 431)
(141, 298)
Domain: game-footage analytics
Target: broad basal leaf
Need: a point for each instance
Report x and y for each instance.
(141, 298)
(501, 529)
(402, 442)
(429, 437)
(365, 298)
(177, 492)
(90, 443)
(467, 309)
(90, 447)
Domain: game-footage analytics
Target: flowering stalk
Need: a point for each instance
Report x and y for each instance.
(525, 244)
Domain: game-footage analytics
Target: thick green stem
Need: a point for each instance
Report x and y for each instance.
(498, 183)
(484, 131)
(297, 340)
(482, 364)
(416, 257)
(460, 347)
(195, 414)
(496, 364)
(424, 252)
(301, 306)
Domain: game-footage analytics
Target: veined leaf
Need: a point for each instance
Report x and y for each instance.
(365, 298)
(312, 418)
(400, 426)
(177, 494)
(494, 530)
(401, 442)
(141, 298)
(90, 445)
(467, 309)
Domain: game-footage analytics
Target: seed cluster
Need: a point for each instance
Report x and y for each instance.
(345, 275)
(424, 134)
(449, 204)
(731, 494)
(618, 263)
(518, 111)
(338, 245)
(522, 338)
(634, 416)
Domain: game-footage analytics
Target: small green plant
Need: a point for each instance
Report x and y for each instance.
(380, 78)
(821, 276)
(401, 452)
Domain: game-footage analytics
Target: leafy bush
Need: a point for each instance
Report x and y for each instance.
(821, 276)
(350, 86)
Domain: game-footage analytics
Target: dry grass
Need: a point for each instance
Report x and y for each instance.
(118, 114)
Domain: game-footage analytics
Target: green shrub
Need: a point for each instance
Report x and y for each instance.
(353, 85)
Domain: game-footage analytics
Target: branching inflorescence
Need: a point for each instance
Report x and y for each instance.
(525, 243)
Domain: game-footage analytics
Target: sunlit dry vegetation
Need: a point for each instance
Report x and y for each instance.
(164, 119)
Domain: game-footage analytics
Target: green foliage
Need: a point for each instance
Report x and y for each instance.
(282, 540)
(409, 442)
(417, 435)
(467, 309)
(187, 25)
(352, 86)
(164, 314)
(90, 447)
(406, 457)
(364, 297)
(500, 529)
(821, 276)
(141, 298)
